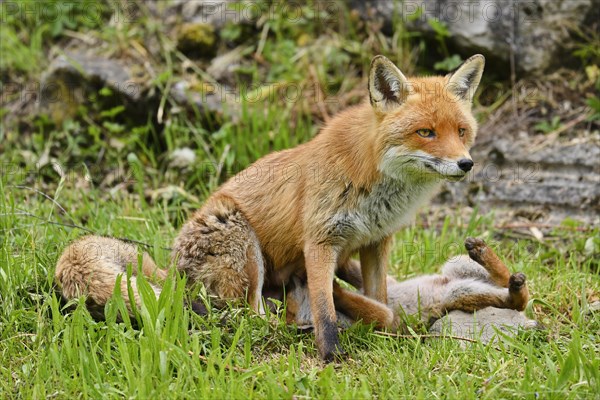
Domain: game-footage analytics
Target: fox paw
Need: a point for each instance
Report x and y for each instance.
(198, 307)
(476, 247)
(516, 281)
(338, 355)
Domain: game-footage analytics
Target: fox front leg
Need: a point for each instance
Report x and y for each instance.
(373, 261)
(321, 261)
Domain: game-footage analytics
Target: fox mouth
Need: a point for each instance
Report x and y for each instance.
(396, 161)
(452, 178)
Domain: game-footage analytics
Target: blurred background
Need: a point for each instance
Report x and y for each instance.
(120, 117)
(165, 100)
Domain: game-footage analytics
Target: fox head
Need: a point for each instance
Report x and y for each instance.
(424, 126)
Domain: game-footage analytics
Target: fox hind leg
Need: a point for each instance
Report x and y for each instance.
(518, 291)
(255, 269)
(481, 253)
(359, 307)
(516, 283)
(472, 295)
(218, 248)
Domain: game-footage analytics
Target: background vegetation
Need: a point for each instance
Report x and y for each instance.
(103, 165)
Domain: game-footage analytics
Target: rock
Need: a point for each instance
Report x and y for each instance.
(216, 13)
(182, 158)
(560, 179)
(559, 175)
(207, 98)
(223, 67)
(482, 325)
(586, 155)
(534, 31)
(197, 40)
(75, 78)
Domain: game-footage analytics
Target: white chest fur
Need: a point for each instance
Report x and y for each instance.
(391, 204)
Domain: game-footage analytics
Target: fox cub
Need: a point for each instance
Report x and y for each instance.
(308, 209)
(465, 283)
(90, 267)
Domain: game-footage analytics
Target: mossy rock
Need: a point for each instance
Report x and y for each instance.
(197, 40)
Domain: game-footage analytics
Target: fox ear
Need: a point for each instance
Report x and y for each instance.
(464, 81)
(388, 87)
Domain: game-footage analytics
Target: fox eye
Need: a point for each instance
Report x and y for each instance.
(461, 132)
(426, 133)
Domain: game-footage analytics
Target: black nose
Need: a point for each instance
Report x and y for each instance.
(465, 164)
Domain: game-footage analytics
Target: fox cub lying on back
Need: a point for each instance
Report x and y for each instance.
(465, 283)
(309, 209)
(90, 266)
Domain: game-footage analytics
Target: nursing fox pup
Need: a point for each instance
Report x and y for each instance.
(465, 283)
(348, 190)
(92, 264)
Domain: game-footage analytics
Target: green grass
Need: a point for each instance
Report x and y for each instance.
(112, 176)
(52, 353)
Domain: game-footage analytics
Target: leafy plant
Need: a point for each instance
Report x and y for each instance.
(594, 103)
(548, 126)
(441, 33)
(448, 63)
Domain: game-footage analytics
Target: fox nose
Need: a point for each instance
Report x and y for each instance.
(465, 164)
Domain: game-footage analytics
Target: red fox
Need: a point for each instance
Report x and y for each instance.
(91, 265)
(348, 190)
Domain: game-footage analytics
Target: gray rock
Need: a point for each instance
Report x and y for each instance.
(559, 180)
(484, 324)
(560, 175)
(182, 158)
(584, 155)
(207, 98)
(75, 78)
(75, 69)
(534, 31)
(217, 13)
(223, 67)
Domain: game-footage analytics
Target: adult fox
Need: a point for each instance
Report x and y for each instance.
(347, 190)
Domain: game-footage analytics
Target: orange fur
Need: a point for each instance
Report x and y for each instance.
(90, 267)
(347, 190)
(306, 210)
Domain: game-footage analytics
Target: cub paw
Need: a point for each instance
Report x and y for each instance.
(476, 247)
(516, 281)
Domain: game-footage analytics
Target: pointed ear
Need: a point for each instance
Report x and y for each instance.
(388, 87)
(464, 81)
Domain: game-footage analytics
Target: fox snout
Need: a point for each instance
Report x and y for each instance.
(453, 170)
(457, 170)
(465, 164)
